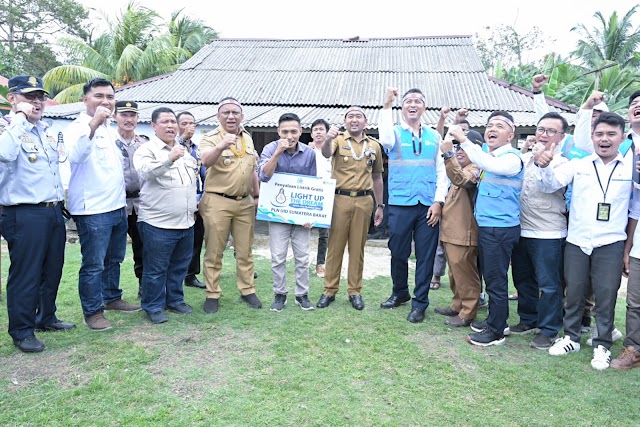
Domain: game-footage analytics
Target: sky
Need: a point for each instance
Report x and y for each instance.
(376, 18)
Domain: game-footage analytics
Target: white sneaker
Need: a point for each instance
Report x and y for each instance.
(564, 345)
(601, 358)
(615, 335)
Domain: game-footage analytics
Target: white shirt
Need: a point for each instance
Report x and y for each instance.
(585, 230)
(388, 141)
(323, 164)
(97, 181)
(490, 162)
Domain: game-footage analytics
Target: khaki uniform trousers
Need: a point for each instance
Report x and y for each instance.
(220, 216)
(349, 224)
(464, 279)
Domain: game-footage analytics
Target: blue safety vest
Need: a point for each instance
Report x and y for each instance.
(498, 202)
(412, 178)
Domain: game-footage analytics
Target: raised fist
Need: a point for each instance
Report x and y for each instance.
(176, 152)
(333, 132)
(538, 81)
(390, 95)
(445, 112)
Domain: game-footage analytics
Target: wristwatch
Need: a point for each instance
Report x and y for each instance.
(441, 203)
(447, 155)
(381, 205)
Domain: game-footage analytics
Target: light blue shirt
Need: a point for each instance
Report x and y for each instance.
(29, 171)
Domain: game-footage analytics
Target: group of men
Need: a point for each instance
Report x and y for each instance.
(491, 206)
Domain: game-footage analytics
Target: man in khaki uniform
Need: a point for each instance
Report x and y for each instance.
(357, 169)
(231, 186)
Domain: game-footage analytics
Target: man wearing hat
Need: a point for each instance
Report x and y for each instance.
(126, 117)
(230, 195)
(417, 188)
(97, 202)
(459, 232)
(357, 168)
(31, 200)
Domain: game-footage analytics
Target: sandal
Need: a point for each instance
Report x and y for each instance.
(434, 285)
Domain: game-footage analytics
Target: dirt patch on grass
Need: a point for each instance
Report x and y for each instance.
(21, 370)
(194, 361)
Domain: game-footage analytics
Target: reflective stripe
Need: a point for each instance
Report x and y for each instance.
(502, 181)
(416, 162)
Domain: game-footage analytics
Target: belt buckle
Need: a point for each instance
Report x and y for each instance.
(238, 198)
(51, 204)
(353, 193)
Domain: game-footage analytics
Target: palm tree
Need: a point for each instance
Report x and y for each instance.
(136, 47)
(614, 40)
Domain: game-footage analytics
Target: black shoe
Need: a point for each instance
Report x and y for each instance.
(251, 300)
(416, 315)
(304, 303)
(325, 300)
(210, 305)
(279, 303)
(158, 317)
(193, 282)
(478, 326)
(58, 325)
(356, 302)
(521, 329)
(255, 274)
(395, 301)
(446, 311)
(29, 344)
(182, 308)
(485, 338)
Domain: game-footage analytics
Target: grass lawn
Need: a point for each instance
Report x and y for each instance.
(337, 366)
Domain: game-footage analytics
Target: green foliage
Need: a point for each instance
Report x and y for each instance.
(505, 46)
(136, 46)
(27, 25)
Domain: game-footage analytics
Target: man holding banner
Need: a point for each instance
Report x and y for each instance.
(287, 155)
(357, 169)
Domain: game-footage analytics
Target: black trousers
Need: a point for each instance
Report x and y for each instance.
(198, 239)
(36, 237)
(136, 244)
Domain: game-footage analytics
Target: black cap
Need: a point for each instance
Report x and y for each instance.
(26, 84)
(123, 106)
(475, 137)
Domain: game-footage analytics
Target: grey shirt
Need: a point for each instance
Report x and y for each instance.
(131, 177)
(168, 189)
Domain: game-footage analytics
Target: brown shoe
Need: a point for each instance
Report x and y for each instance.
(97, 322)
(457, 321)
(630, 358)
(446, 311)
(122, 305)
(320, 270)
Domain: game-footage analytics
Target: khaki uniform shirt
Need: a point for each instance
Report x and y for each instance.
(458, 225)
(351, 174)
(235, 178)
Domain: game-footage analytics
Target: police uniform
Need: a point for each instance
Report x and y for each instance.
(352, 208)
(227, 205)
(31, 196)
(132, 188)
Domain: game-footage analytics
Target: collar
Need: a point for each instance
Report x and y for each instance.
(158, 144)
(404, 125)
(502, 149)
(594, 157)
(347, 135)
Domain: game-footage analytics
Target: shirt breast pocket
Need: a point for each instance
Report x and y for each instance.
(33, 152)
(491, 192)
(102, 148)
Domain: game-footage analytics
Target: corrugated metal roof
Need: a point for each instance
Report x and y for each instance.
(266, 116)
(319, 78)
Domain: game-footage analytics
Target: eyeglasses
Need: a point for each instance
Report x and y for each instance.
(549, 132)
(457, 147)
(120, 145)
(229, 113)
(32, 96)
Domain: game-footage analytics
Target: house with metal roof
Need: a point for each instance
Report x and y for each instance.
(321, 78)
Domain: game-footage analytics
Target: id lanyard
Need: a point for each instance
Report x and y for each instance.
(604, 208)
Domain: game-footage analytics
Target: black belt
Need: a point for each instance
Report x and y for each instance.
(354, 193)
(230, 197)
(39, 205)
(133, 194)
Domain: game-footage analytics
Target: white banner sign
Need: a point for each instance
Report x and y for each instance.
(297, 199)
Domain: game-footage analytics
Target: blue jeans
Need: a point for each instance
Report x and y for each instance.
(495, 245)
(166, 255)
(103, 243)
(408, 223)
(536, 267)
